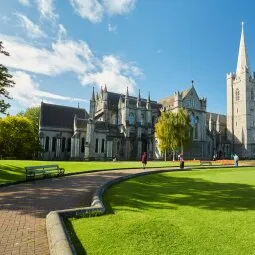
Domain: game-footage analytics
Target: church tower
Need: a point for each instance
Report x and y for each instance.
(241, 105)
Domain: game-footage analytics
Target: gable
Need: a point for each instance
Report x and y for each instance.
(191, 99)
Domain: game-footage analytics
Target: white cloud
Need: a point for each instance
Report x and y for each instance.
(32, 30)
(117, 74)
(119, 7)
(71, 56)
(94, 10)
(27, 91)
(112, 28)
(25, 2)
(47, 9)
(88, 9)
(63, 56)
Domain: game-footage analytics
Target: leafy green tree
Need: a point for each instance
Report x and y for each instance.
(173, 131)
(5, 82)
(33, 114)
(165, 132)
(17, 137)
(184, 128)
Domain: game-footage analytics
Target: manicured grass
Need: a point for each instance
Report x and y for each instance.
(13, 170)
(196, 212)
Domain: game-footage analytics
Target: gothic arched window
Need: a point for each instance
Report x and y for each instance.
(196, 128)
(192, 118)
(131, 119)
(142, 119)
(47, 142)
(119, 117)
(237, 94)
(63, 145)
(102, 146)
(96, 147)
(113, 118)
(83, 144)
(69, 144)
(252, 94)
(54, 142)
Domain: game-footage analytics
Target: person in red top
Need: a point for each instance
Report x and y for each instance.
(144, 159)
(181, 159)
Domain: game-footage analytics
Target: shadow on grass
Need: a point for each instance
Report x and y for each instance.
(79, 249)
(162, 191)
(9, 173)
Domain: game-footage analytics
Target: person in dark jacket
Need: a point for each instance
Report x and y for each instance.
(144, 159)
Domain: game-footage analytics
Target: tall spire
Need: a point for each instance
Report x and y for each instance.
(93, 95)
(242, 63)
(127, 93)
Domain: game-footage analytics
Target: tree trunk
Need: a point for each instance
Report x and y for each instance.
(165, 155)
(173, 155)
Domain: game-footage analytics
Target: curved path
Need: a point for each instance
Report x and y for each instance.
(23, 207)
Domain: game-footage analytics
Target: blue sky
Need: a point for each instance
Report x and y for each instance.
(61, 49)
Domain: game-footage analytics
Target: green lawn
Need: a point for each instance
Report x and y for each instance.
(196, 212)
(13, 170)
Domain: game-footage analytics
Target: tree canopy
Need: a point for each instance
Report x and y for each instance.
(33, 114)
(173, 130)
(5, 82)
(17, 137)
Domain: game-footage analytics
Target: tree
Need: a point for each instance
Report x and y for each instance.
(173, 131)
(184, 129)
(17, 137)
(33, 114)
(5, 82)
(165, 132)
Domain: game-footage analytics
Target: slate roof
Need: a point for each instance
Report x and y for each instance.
(113, 100)
(222, 118)
(170, 99)
(167, 101)
(59, 116)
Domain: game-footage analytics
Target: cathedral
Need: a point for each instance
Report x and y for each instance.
(241, 105)
(122, 126)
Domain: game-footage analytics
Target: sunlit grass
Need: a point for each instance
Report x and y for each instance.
(195, 212)
(13, 170)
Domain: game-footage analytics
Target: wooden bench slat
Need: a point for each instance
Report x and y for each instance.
(45, 170)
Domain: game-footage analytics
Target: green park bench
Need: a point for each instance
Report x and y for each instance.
(43, 171)
(205, 163)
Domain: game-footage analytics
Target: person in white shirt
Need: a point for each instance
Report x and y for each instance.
(236, 159)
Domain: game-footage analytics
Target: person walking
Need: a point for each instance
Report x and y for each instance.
(236, 159)
(181, 159)
(144, 159)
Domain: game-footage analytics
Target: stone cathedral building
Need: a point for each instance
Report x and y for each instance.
(241, 105)
(122, 126)
(117, 125)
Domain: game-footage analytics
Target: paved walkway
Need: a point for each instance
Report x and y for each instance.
(23, 207)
